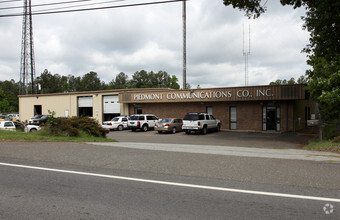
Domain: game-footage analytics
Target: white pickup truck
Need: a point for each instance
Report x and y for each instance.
(201, 122)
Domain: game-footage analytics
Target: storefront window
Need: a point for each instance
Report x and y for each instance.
(278, 119)
(264, 118)
(233, 118)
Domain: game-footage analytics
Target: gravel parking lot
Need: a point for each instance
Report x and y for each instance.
(223, 138)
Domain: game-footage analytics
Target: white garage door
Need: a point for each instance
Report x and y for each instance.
(85, 101)
(111, 104)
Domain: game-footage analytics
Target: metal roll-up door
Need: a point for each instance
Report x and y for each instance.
(111, 104)
(85, 101)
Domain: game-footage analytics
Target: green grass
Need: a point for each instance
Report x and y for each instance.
(45, 136)
(323, 146)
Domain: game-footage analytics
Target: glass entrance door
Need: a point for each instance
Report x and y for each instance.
(271, 118)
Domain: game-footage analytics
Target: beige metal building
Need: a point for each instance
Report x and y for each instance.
(101, 105)
(254, 108)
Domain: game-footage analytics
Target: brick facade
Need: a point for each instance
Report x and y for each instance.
(249, 114)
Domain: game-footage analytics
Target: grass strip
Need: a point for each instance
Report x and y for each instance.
(328, 146)
(45, 136)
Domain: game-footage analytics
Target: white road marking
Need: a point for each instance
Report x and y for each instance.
(176, 184)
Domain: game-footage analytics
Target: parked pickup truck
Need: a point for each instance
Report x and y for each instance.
(200, 122)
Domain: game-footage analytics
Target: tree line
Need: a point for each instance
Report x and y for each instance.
(301, 80)
(55, 83)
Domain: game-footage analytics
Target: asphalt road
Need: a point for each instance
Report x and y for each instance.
(32, 193)
(223, 138)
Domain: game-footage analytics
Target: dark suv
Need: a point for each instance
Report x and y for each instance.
(39, 121)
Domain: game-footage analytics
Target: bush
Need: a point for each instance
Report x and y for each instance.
(336, 140)
(330, 130)
(72, 127)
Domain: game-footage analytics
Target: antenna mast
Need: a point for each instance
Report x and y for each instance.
(246, 54)
(184, 47)
(27, 65)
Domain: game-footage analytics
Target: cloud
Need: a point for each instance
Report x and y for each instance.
(150, 38)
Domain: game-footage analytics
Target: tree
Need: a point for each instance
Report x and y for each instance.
(174, 82)
(277, 82)
(164, 80)
(91, 82)
(4, 104)
(291, 81)
(9, 91)
(143, 79)
(74, 83)
(322, 20)
(120, 82)
(325, 86)
(52, 83)
(140, 79)
(302, 80)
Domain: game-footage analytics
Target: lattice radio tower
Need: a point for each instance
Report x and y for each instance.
(246, 54)
(27, 65)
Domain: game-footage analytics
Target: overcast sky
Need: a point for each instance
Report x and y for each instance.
(150, 38)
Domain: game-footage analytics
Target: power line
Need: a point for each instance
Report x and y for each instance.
(10, 1)
(92, 9)
(48, 4)
(83, 5)
(60, 3)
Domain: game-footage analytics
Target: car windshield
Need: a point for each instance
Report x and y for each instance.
(193, 117)
(166, 120)
(37, 116)
(115, 119)
(136, 117)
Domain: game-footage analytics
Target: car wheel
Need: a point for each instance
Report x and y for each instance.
(205, 130)
(218, 127)
(33, 130)
(145, 128)
(174, 130)
(120, 127)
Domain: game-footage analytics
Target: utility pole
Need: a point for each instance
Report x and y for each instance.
(27, 64)
(184, 47)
